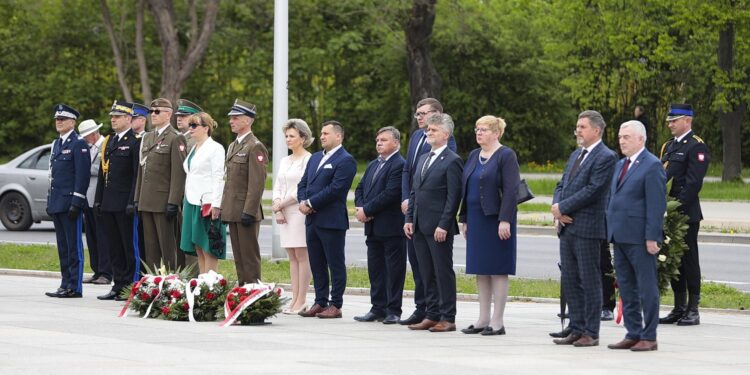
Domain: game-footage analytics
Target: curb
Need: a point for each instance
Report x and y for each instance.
(463, 297)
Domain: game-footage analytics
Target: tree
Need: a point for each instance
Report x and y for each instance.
(424, 80)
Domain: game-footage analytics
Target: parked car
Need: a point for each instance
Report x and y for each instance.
(24, 183)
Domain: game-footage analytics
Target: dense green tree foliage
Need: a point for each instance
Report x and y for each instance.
(536, 63)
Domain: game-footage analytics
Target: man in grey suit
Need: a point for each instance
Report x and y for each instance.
(635, 217)
(578, 206)
(431, 223)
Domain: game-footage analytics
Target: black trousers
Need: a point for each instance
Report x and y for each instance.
(690, 269)
(386, 267)
(419, 293)
(97, 244)
(436, 265)
(119, 229)
(608, 282)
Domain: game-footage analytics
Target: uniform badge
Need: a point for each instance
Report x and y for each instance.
(182, 148)
(261, 158)
(84, 150)
(65, 152)
(701, 157)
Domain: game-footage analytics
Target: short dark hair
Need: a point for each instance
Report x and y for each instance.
(337, 127)
(432, 102)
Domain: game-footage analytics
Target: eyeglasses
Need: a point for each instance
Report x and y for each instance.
(481, 130)
(193, 125)
(423, 114)
(155, 111)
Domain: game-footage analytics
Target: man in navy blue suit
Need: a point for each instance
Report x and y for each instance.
(431, 222)
(69, 179)
(578, 206)
(635, 218)
(418, 146)
(322, 195)
(378, 202)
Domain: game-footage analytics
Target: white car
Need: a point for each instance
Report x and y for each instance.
(24, 183)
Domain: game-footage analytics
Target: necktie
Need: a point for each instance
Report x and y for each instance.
(578, 162)
(381, 162)
(420, 144)
(624, 171)
(426, 164)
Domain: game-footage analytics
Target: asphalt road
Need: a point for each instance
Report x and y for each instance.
(537, 255)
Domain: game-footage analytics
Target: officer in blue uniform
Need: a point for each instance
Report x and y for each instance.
(114, 197)
(685, 158)
(69, 179)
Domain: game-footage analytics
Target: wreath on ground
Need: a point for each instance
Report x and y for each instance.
(671, 250)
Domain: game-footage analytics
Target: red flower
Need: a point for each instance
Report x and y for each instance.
(154, 292)
(135, 289)
(185, 306)
(145, 296)
(279, 291)
(243, 298)
(176, 294)
(232, 304)
(165, 310)
(222, 282)
(157, 280)
(210, 296)
(242, 291)
(193, 283)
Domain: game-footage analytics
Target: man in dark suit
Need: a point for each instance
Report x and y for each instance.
(418, 146)
(685, 158)
(322, 195)
(114, 197)
(578, 207)
(377, 199)
(431, 223)
(69, 178)
(635, 217)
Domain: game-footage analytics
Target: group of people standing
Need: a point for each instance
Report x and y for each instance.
(163, 197)
(602, 200)
(411, 207)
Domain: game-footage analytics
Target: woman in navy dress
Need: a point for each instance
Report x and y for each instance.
(489, 221)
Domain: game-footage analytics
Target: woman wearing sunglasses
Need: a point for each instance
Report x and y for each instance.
(203, 234)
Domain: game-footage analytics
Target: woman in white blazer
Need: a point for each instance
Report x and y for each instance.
(203, 234)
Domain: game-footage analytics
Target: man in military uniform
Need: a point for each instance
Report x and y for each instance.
(185, 109)
(685, 158)
(160, 186)
(245, 178)
(140, 118)
(138, 124)
(69, 178)
(114, 197)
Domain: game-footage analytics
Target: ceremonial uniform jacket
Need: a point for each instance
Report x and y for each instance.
(686, 163)
(69, 174)
(245, 179)
(118, 170)
(161, 178)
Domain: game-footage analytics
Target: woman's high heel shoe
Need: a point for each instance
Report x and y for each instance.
(300, 310)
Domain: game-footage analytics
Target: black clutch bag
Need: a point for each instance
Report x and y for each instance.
(524, 193)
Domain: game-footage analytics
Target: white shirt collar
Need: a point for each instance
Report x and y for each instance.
(240, 138)
(161, 131)
(591, 148)
(65, 136)
(331, 152)
(438, 151)
(98, 143)
(636, 155)
(389, 156)
(121, 134)
(680, 138)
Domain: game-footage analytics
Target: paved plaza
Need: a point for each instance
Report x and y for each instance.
(42, 335)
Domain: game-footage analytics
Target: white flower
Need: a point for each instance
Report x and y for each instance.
(666, 240)
(662, 257)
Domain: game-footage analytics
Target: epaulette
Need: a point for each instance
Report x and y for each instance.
(697, 138)
(137, 136)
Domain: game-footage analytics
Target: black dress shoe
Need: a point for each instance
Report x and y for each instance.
(69, 293)
(471, 330)
(101, 280)
(391, 319)
(561, 334)
(369, 317)
(488, 331)
(119, 297)
(111, 295)
(55, 293)
(415, 318)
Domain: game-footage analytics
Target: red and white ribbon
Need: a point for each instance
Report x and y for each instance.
(257, 291)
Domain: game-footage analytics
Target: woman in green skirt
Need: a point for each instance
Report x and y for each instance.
(203, 234)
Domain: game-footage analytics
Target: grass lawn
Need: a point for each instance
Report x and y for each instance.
(716, 191)
(40, 257)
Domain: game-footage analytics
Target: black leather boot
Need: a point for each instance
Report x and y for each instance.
(691, 318)
(680, 307)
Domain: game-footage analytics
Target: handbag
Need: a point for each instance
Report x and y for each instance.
(524, 193)
(206, 210)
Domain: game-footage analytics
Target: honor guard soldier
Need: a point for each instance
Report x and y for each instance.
(140, 118)
(185, 109)
(245, 179)
(115, 192)
(70, 165)
(685, 158)
(160, 186)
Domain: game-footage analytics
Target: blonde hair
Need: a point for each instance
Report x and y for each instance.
(204, 119)
(495, 124)
(302, 128)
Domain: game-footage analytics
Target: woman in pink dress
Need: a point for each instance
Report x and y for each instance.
(286, 210)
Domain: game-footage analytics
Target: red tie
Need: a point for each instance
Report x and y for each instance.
(624, 171)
